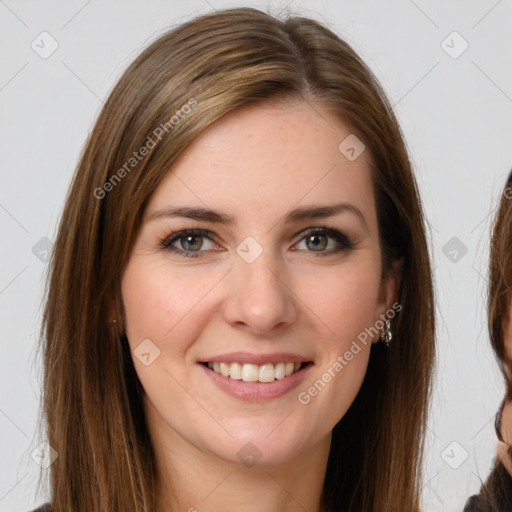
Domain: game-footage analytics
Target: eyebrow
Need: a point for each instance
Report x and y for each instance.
(293, 217)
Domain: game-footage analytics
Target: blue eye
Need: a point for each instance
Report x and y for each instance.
(191, 241)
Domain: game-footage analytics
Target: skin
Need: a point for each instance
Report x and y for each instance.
(256, 164)
(506, 417)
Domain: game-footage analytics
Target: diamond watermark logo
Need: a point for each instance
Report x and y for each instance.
(351, 147)
(454, 249)
(249, 455)
(454, 45)
(42, 250)
(147, 352)
(249, 250)
(44, 45)
(44, 455)
(454, 455)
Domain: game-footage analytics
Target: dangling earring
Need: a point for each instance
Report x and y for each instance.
(385, 333)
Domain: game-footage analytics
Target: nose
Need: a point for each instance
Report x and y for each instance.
(258, 299)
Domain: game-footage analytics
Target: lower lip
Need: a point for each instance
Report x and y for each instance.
(257, 391)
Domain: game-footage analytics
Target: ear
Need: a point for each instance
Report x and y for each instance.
(111, 313)
(389, 289)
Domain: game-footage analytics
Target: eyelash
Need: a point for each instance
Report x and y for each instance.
(344, 243)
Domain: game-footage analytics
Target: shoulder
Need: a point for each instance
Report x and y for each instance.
(495, 494)
(43, 508)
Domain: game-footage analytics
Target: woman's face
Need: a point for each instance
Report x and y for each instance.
(506, 414)
(257, 293)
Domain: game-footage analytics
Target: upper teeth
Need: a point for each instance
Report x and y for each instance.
(253, 372)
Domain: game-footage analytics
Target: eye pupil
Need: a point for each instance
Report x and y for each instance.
(316, 244)
(186, 240)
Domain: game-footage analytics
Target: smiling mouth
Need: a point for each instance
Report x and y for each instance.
(256, 373)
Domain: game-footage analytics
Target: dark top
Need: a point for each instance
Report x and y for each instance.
(43, 508)
(495, 494)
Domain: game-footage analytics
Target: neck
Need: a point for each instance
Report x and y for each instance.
(192, 479)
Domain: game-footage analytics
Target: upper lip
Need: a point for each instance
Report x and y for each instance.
(259, 359)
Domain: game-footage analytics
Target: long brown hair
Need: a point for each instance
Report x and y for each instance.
(495, 493)
(500, 281)
(92, 396)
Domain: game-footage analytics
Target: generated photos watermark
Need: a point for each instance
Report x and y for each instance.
(304, 397)
(151, 142)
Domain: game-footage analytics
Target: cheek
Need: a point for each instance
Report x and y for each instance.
(157, 302)
(506, 423)
(346, 302)
(144, 302)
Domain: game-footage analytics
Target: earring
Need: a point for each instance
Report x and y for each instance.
(497, 421)
(385, 333)
(114, 321)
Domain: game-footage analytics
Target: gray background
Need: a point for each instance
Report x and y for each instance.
(455, 113)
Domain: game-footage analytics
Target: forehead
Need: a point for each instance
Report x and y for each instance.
(261, 160)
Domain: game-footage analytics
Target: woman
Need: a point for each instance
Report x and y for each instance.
(496, 493)
(200, 353)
